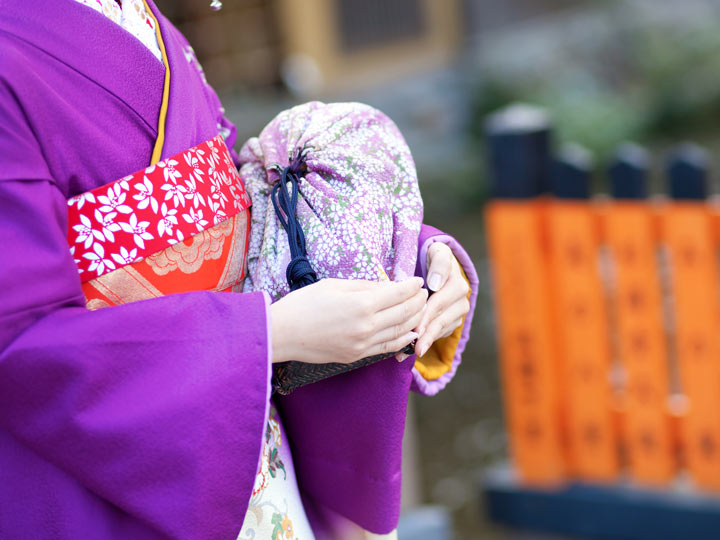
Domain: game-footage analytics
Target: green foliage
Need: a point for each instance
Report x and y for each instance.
(645, 80)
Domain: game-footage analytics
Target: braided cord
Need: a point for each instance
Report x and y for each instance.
(299, 272)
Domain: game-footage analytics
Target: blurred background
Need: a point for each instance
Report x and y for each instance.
(605, 70)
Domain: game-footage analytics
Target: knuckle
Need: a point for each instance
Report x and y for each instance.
(438, 247)
(452, 327)
(363, 330)
(433, 329)
(356, 350)
(364, 305)
(406, 311)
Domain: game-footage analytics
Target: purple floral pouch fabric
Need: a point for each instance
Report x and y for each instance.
(359, 205)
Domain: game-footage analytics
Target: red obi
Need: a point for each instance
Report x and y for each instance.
(179, 225)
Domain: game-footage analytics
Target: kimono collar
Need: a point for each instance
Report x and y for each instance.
(100, 49)
(93, 45)
(162, 118)
(192, 116)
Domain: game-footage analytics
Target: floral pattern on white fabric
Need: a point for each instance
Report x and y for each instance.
(275, 510)
(133, 17)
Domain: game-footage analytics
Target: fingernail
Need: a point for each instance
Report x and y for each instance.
(401, 357)
(421, 352)
(434, 281)
(410, 336)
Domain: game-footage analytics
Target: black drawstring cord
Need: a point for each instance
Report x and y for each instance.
(290, 375)
(299, 272)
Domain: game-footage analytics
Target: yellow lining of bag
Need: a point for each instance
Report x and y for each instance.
(438, 359)
(157, 150)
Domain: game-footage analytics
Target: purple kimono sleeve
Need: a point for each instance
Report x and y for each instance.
(347, 430)
(428, 236)
(157, 407)
(148, 415)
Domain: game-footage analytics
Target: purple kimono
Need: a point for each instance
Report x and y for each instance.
(145, 420)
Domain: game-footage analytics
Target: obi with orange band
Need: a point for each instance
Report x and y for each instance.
(188, 213)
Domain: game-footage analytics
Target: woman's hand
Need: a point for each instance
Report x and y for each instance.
(449, 302)
(337, 320)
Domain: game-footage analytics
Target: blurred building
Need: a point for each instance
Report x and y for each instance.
(239, 47)
(324, 46)
(317, 46)
(485, 16)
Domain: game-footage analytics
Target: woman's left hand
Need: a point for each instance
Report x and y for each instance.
(448, 304)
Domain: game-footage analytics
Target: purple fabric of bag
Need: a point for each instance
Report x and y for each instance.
(359, 205)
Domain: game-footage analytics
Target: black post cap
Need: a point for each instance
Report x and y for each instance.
(628, 172)
(687, 171)
(518, 141)
(570, 174)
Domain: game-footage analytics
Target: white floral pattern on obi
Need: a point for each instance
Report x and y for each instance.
(275, 510)
(133, 17)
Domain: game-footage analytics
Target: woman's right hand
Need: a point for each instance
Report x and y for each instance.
(338, 320)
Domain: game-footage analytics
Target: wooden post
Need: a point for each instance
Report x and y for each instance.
(581, 318)
(689, 236)
(570, 173)
(628, 172)
(632, 240)
(518, 142)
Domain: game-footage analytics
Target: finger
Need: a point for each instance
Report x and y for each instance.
(361, 285)
(422, 345)
(394, 345)
(457, 323)
(439, 264)
(434, 307)
(451, 318)
(354, 285)
(442, 326)
(400, 313)
(396, 320)
(453, 291)
(389, 293)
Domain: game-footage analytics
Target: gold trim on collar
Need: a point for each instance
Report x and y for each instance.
(160, 141)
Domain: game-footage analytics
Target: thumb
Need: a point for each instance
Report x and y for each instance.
(439, 261)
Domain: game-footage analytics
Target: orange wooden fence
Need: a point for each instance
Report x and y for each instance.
(607, 313)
